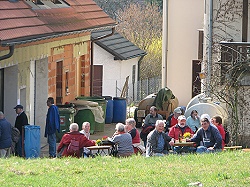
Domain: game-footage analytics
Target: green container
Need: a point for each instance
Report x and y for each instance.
(85, 115)
(66, 118)
(99, 127)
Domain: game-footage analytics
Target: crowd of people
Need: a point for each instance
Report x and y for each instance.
(158, 136)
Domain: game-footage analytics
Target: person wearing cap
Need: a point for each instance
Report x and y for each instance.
(158, 141)
(208, 138)
(172, 120)
(178, 131)
(5, 136)
(52, 124)
(21, 121)
(149, 123)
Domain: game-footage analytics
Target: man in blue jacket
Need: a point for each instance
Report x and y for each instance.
(5, 136)
(52, 124)
(208, 137)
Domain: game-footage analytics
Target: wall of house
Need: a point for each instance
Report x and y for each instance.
(10, 92)
(114, 72)
(184, 20)
(227, 26)
(36, 62)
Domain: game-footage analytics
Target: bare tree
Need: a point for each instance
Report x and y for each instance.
(142, 25)
(111, 7)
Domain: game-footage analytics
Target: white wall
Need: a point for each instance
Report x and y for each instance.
(184, 19)
(114, 71)
(41, 95)
(10, 93)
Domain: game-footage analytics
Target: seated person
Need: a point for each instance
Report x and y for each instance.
(158, 140)
(86, 131)
(208, 137)
(123, 141)
(217, 121)
(178, 131)
(172, 120)
(149, 123)
(74, 134)
(130, 127)
(193, 121)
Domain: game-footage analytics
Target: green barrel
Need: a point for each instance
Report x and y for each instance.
(66, 118)
(99, 126)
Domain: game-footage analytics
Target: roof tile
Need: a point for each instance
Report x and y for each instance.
(18, 20)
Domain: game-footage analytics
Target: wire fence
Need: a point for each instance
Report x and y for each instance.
(142, 88)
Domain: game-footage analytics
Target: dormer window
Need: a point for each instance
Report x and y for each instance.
(47, 4)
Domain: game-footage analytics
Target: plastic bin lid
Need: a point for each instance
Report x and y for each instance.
(119, 98)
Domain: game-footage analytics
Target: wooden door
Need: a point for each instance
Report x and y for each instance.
(97, 80)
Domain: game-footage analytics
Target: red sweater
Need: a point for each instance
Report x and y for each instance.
(65, 141)
(175, 131)
(222, 133)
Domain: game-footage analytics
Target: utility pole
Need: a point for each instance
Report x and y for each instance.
(164, 43)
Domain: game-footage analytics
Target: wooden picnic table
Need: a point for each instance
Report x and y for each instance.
(185, 144)
(100, 149)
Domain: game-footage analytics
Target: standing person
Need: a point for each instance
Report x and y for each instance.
(86, 131)
(208, 137)
(217, 121)
(21, 121)
(5, 136)
(193, 121)
(52, 124)
(149, 123)
(158, 140)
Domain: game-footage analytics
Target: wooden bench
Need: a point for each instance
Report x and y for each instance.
(233, 148)
(246, 150)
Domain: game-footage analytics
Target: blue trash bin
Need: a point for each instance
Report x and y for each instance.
(119, 110)
(109, 109)
(32, 146)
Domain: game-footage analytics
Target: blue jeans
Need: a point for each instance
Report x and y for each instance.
(52, 144)
(203, 149)
(19, 147)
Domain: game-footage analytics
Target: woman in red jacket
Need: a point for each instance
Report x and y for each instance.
(217, 121)
(74, 137)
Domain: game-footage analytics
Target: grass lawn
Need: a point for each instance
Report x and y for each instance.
(229, 168)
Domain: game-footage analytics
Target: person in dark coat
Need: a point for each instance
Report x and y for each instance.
(52, 124)
(5, 136)
(21, 120)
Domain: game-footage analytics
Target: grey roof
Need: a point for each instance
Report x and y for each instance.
(117, 45)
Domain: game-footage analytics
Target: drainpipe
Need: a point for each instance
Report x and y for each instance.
(245, 21)
(11, 48)
(91, 59)
(210, 43)
(164, 43)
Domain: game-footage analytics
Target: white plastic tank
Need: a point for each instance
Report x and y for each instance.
(211, 109)
(195, 100)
